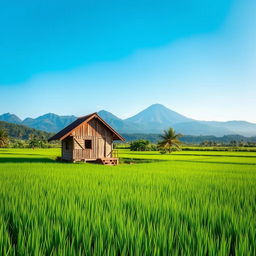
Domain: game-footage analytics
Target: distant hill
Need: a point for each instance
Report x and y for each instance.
(112, 120)
(119, 124)
(198, 128)
(11, 118)
(49, 122)
(152, 120)
(18, 131)
(238, 127)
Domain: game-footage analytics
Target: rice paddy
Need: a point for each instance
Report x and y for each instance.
(192, 203)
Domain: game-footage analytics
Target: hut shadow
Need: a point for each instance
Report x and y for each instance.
(26, 160)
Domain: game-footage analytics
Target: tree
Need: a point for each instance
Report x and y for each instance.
(4, 139)
(36, 141)
(170, 141)
(16, 143)
(140, 145)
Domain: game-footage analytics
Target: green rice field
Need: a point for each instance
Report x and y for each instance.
(186, 203)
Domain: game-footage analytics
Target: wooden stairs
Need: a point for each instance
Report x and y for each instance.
(108, 161)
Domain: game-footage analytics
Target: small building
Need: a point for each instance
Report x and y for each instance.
(89, 138)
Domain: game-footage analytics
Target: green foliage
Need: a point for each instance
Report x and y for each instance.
(139, 145)
(15, 143)
(219, 148)
(4, 138)
(232, 143)
(37, 142)
(22, 132)
(195, 140)
(153, 147)
(187, 206)
(170, 141)
(220, 157)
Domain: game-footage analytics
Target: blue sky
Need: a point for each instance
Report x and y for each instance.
(74, 57)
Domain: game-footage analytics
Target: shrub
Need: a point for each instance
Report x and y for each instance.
(140, 145)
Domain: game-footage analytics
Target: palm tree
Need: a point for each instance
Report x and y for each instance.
(4, 139)
(170, 141)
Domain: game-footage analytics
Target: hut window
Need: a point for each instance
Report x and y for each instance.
(67, 145)
(88, 144)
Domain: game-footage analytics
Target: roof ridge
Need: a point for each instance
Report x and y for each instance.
(68, 129)
(86, 115)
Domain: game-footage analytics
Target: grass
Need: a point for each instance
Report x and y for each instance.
(220, 148)
(240, 158)
(193, 203)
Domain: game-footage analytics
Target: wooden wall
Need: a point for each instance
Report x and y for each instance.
(102, 141)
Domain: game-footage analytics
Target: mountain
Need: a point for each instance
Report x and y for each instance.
(11, 118)
(119, 124)
(18, 131)
(111, 119)
(152, 120)
(198, 128)
(158, 115)
(235, 127)
(49, 122)
(157, 118)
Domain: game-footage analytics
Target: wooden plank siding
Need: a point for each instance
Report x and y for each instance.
(101, 137)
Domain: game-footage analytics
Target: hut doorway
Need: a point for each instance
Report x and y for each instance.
(101, 148)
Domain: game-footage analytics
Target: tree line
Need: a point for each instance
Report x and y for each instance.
(33, 141)
(192, 139)
(22, 132)
(20, 136)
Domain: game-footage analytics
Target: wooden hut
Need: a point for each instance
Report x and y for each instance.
(89, 138)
